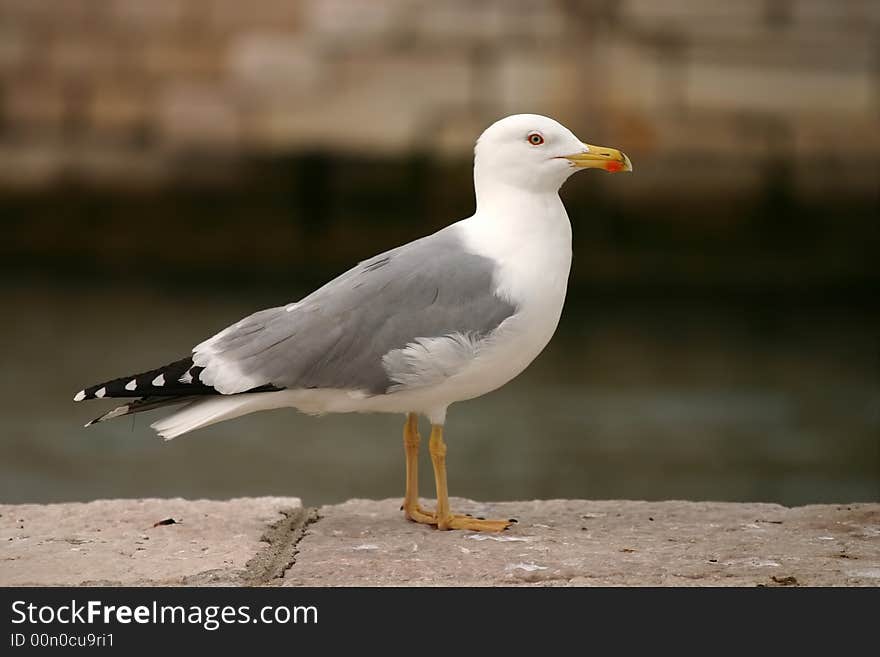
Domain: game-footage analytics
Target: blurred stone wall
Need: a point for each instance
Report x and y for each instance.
(712, 94)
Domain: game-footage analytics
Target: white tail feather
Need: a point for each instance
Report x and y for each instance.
(203, 413)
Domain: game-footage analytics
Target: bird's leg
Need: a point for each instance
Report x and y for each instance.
(443, 516)
(411, 440)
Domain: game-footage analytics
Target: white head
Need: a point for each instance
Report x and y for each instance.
(530, 151)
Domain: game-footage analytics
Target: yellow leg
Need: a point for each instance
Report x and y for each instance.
(443, 517)
(411, 440)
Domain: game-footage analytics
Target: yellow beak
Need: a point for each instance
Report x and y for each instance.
(600, 157)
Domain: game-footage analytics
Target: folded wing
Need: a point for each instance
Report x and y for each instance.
(339, 336)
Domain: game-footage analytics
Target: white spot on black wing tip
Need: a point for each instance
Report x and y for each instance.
(159, 381)
(79, 396)
(131, 385)
(99, 394)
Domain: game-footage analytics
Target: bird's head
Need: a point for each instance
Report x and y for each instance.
(535, 152)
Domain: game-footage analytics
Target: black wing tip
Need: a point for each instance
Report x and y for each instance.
(94, 392)
(167, 380)
(178, 379)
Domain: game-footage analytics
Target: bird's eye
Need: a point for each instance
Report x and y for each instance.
(535, 138)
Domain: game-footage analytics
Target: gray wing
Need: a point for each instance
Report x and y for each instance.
(353, 331)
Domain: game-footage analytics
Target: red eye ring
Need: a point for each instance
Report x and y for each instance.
(535, 138)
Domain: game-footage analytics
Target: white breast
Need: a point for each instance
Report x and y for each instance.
(532, 246)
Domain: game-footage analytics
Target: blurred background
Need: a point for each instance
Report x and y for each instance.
(169, 166)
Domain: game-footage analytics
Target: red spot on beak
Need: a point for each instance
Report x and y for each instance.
(614, 166)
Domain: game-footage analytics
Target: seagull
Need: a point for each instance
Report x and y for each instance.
(443, 319)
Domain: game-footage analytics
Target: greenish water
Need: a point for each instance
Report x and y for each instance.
(647, 399)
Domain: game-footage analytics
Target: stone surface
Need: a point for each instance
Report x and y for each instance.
(584, 543)
(118, 542)
(275, 541)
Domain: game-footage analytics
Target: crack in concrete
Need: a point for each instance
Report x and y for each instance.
(283, 537)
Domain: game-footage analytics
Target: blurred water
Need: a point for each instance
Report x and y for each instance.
(648, 399)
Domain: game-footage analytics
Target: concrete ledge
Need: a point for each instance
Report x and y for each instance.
(275, 541)
(123, 543)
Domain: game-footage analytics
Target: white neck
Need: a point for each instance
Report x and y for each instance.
(511, 219)
(490, 191)
(528, 233)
